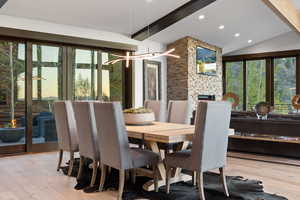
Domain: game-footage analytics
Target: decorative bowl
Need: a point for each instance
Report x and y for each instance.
(139, 118)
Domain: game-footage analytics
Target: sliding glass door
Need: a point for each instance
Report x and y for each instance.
(46, 88)
(35, 75)
(12, 97)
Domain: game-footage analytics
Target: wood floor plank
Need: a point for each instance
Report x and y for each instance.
(34, 177)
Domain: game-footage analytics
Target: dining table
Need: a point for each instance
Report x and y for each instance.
(156, 133)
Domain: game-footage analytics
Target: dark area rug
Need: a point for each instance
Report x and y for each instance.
(239, 188)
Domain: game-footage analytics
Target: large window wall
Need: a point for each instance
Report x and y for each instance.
(35, 75)
(271, 78)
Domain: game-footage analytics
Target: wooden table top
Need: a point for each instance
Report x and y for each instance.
(163, 132)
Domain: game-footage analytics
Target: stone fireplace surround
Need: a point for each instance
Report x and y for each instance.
(183, 82)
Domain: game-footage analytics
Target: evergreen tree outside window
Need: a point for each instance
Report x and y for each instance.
(256, 82)
(284, 84)
(234, 80)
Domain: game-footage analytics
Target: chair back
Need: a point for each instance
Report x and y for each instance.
(112, 135)
(211, 135)
(86, 126)
(155, 106)
(179, 112)
(65, 126)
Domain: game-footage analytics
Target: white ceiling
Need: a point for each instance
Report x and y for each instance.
(121, 16)
(297, 4)
(251, 18)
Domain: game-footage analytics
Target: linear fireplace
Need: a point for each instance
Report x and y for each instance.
(204, 97)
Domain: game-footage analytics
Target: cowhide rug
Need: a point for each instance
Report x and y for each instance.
(239, 187)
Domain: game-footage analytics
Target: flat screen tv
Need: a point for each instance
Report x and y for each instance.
(206, 61)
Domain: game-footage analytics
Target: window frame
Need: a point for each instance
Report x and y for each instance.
(67, 43)
(270, 58)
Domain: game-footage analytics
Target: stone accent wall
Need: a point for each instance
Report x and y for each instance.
(177, 72)
(183, 81)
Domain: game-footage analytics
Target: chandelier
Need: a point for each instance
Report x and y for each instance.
(149, 55)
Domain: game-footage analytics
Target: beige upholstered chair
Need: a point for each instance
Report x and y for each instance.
(210, 142)
(156, 107)
(179, 112)
(66, 131)
(114, 147)
(87, 134)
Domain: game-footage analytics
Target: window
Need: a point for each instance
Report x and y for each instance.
(35, 74)
(112, 79)
(46, 73)
(12, 91)
(284, 84)
(85, 75)
(256, 82)
(234, 80)
(271, 78)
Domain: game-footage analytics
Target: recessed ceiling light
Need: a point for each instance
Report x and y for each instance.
(201, 17)
(148, 1)
(250, 41)
(221, 27)
(237, 35)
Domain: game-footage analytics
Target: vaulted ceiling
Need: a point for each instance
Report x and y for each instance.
(252, 19)
(122, 16)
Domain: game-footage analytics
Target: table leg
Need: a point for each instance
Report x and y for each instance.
(149, 186)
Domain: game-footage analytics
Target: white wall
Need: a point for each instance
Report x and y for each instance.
(287, 41)
(47, 27)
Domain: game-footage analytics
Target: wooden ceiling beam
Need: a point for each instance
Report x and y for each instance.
(176, 15)
(287, 11)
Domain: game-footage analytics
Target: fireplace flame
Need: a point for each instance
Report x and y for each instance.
(14, 123)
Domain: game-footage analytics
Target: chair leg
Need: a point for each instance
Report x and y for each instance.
(133, 176)
(81, 163)
(223, 179)
(121, 183)
(168, 176)
(103, 176)
(156, 178)
(201, 186)
(95, 169)
(71, 163)
(61, 153)
(127, 175)
(194, 178)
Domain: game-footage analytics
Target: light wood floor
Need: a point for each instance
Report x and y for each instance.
(33, 177)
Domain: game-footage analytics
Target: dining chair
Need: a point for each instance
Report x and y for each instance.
(66, 132)
(179, 112)
(87, 135)
(209, 148)
(114, 147)
(156, 107)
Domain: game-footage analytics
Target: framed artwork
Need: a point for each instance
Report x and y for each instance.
(152, 82)
(206, 61)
